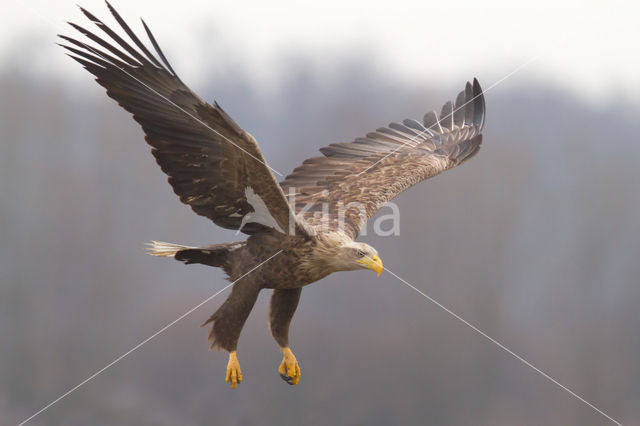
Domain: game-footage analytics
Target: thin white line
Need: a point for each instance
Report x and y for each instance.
(387, 269)
(144, 341)
(503, 347)
(518, 68)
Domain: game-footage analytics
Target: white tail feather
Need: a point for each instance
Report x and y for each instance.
(158, 248)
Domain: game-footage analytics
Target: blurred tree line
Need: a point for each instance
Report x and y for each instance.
(535, 241)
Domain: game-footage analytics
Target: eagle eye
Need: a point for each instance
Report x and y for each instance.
(360, 253)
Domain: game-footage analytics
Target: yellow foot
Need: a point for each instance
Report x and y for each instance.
(234, 374)
(289, 369)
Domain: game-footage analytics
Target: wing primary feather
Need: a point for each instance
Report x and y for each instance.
(458, 112)
(446, 116)
(157, 47)
(115, 37)
(91, 36)
(431, 122)
(133, 36)
(479, 107)
(413, 124)
(106, 58)
(85, 55)
(468, 104)
(88, 65)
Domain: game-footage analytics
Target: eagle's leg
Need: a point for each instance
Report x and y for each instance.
(283, 305)
(227, 323)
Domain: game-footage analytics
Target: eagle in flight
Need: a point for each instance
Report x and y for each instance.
(312, 217)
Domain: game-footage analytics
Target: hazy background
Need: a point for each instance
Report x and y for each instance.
(535, 240)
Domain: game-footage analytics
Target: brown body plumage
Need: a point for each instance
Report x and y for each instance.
(295, 261)
(216, 168)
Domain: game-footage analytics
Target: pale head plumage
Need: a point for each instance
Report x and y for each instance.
(336, 251)
(351, 256)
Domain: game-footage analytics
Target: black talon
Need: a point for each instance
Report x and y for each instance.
(287, 379)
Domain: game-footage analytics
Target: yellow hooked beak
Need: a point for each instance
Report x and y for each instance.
(374, 263)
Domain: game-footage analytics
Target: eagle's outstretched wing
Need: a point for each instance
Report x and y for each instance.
(353, 180)
(210, 160)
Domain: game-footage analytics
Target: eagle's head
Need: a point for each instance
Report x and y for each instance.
(336, 251)
(355, 255)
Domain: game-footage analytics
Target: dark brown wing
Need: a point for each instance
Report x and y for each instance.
(210, 160)
(353, 180)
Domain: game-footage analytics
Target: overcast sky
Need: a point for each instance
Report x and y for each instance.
(584, 47)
